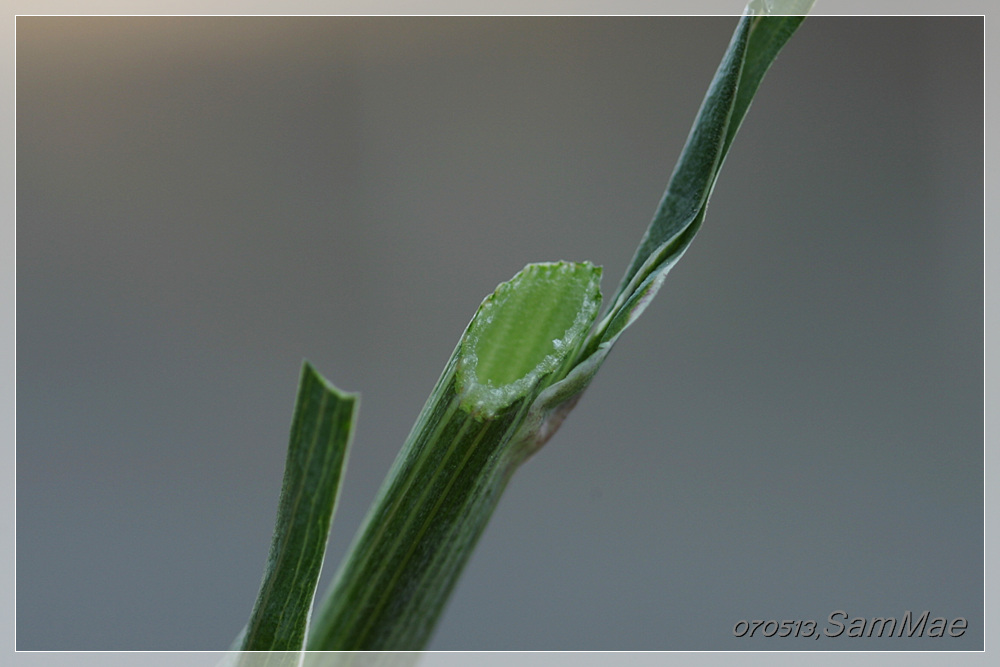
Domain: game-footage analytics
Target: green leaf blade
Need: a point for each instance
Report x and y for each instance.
(322, 427)
(754, 46)
(768, 36)
(694, 175)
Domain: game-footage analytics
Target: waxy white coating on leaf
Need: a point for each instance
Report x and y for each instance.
(524, 332)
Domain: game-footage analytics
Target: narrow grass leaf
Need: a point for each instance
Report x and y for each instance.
(322, 426)
(752, 50)
(768, 36)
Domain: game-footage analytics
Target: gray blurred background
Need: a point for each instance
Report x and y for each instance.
(795, 426)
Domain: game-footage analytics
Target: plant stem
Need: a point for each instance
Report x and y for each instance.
(459, 457)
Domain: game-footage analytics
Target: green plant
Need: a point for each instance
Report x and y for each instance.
(530, 351)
